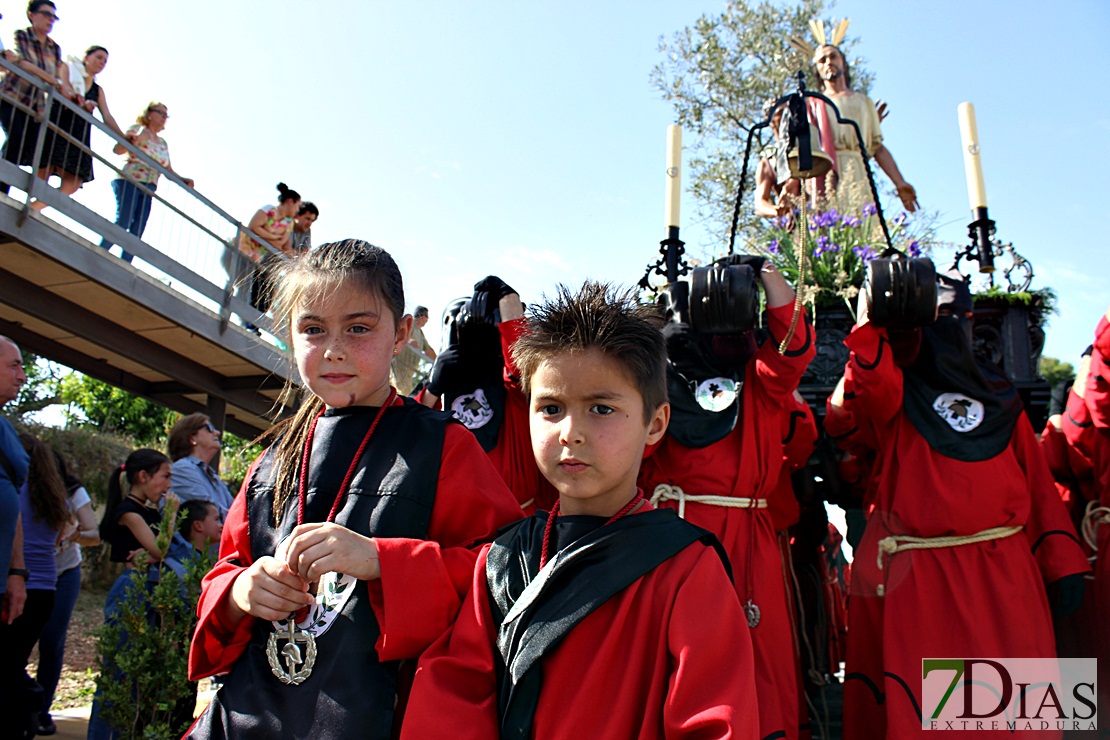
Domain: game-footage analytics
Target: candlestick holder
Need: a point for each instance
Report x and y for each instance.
(984, 248)
(671, 264)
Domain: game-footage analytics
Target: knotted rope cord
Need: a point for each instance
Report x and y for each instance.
(897, 543)
(667, 492)
(1092, 517)
(802, 227)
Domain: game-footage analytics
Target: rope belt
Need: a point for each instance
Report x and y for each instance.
(667, 492)
(1092, 518)
(897, 543)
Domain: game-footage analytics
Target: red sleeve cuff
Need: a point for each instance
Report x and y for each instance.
(864, 341)
(779, 319)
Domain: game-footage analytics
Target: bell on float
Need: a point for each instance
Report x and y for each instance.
(821, 162)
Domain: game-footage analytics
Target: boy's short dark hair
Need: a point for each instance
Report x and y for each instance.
(602, 317)
(194, 510)
(308, 206)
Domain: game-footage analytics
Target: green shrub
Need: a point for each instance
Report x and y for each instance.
(143, 683)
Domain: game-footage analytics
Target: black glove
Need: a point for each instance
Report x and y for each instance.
(447, 363)
(755, 261)
(1066, 594)
(493, 285)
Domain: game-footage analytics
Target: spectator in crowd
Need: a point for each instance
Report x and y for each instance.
(302, 226)
(194, 442)
(199, 527)
(133, 200)
(81, 532)
(42, 503)
(407, 362)
(60, 157)
(130, 526)
(274, 225)
(40, 56)
(13, 472)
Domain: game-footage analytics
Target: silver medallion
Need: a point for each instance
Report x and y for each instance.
(297, 667)
(751, 611)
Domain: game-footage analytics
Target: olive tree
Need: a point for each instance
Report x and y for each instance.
(719, 74)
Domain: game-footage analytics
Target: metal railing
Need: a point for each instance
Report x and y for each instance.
(190, 243)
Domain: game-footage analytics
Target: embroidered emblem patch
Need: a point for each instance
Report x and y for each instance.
(472, 409)
(716, 394)
(962, 413)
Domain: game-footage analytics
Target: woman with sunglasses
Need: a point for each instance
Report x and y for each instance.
(40, 56)
(132, 201)
(193, 444)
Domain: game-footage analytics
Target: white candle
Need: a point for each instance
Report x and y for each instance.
(674, 174)
(973, 164)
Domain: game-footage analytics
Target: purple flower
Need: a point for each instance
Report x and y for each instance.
(901, 218)
(915, 249)
(781, 222)
(865, 252)
(869, 209)
(825, 220)
(822, 246)
(850, 221)
(774, 247)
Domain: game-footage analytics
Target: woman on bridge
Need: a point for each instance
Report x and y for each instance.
(73, 164)
(132, 199)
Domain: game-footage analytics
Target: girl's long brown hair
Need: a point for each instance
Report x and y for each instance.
(311, 277)
(45, 484)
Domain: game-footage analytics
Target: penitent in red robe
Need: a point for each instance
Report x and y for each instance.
(660, 659)
(747, 464)
(513, 455)
(1097, 398)
(980, 600)
(864, 714)
(422, 582)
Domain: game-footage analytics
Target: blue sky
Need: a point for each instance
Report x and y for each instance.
(525, 139)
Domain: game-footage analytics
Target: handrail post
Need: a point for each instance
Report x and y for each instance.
(40, 141)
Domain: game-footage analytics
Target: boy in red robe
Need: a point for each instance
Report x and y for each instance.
(606, 618)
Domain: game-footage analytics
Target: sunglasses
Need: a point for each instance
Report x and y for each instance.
(209, 427)
(47, 14)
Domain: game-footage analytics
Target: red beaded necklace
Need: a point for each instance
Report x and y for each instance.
(302, 484)
(550, 526)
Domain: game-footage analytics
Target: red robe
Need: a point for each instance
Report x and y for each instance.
(660, 659)
(747, 464)
(513, 455)
(1097, 399)
(422, 582)
(954, 601)
(864, 715)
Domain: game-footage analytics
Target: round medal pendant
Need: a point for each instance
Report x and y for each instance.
(716, 394)
(751, 611)
(297, 667)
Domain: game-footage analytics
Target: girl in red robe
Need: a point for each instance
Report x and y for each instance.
(344, 552)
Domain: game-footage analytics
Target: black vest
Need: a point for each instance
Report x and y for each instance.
(593, 562)
(350, 693)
